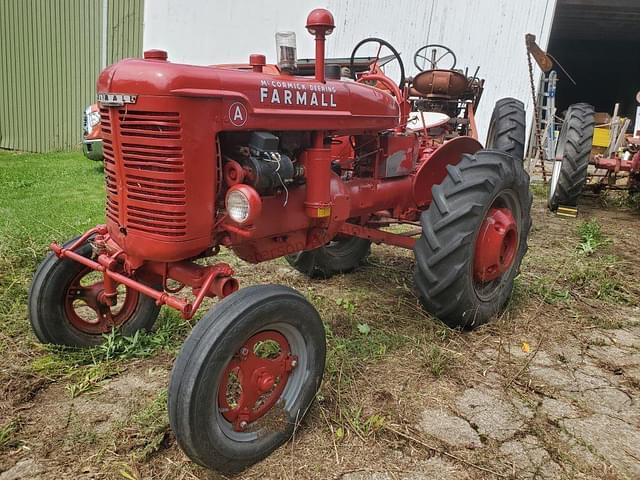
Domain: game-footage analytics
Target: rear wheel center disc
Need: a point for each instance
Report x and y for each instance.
(496, 245)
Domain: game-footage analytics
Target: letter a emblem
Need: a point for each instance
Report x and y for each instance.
(237, 114)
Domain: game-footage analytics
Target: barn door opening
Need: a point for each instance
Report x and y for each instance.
(598, 43)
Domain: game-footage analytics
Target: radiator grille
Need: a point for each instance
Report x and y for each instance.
(144, 171)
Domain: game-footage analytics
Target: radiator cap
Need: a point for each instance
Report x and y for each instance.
(155, 55)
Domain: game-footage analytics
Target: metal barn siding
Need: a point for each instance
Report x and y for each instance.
(50, 55)
(125, 29)
(489, 33)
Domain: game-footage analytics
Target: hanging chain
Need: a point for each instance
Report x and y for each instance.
(536, 120)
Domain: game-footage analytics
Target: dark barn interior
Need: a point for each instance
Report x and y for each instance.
(598, 43)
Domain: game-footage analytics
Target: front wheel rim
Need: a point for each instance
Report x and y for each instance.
(281, 398)
(85, 310)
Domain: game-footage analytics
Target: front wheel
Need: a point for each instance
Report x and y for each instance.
(246, 377)
(64, 306)
(474, 235)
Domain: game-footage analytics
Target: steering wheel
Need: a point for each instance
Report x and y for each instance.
(432, 54)
(380, 61)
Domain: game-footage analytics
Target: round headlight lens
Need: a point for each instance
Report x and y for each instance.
(238, 206)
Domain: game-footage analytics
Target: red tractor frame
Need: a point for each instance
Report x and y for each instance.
(268, 163)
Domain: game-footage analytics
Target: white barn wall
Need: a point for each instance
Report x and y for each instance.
(489, 33)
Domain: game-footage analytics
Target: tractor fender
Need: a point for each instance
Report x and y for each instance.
(433, 170)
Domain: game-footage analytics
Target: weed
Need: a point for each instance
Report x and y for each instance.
(92, 377)
(597, 277)
(345, 352)
(591, 236)
(348, 305)
(539, 190)
(436, 359)
(7, 434)
(148, 428)
(363, 425)
(543, 287)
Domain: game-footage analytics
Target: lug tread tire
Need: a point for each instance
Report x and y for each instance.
(327, 261)
(46, 309)
(507, 128)
(226, 320)
(444, 253)
(579, 125)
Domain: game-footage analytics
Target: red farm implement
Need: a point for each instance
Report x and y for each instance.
(282, 160)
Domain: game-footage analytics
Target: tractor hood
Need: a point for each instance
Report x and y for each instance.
(247, 100)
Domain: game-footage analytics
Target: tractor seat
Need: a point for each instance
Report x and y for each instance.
(439, 84)
(431, 120)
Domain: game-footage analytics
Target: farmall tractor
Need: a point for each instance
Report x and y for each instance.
(268, 164)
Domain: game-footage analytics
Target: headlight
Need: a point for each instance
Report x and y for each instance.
(91, 119)
(243, 204)
(94, 119)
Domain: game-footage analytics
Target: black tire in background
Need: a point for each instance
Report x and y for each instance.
(194, 412)
(444, 276)
(342, 255)
(573, 152)
(47, 294)
(507, 128)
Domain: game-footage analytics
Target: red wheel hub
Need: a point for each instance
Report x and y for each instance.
(87, 310)
(496, 245)
(252, 383)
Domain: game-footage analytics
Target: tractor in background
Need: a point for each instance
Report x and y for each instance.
(270, 161)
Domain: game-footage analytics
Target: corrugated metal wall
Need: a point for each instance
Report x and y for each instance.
(49, 62)
(125, 29)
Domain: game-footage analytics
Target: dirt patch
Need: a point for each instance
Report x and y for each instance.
(548, 390)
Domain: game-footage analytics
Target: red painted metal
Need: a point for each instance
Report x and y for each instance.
(99, 317)
(378, 236)
(496, 245)
(614, 164)
(252, 383)
(169, 167)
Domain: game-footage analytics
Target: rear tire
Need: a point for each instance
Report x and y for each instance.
(445, 275)
(53, 322)
(221, 344)
(507, 128)
(341, 255)
(569, 174)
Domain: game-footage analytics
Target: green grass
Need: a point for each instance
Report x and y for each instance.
(47, 197)
(56, 196)
(43, 197)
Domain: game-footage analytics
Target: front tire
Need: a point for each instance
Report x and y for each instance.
(474, 235)
(63, 309)
(215, 425)
(342, 255)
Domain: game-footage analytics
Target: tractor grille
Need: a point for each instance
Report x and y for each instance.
(144, 171)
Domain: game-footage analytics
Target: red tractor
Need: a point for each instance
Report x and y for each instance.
(268, 164)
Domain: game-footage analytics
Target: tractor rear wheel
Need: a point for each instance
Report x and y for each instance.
(507, 128)
(64, 307)
(474, 235)
(341, 255)
(573, 152)
(246, 376)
